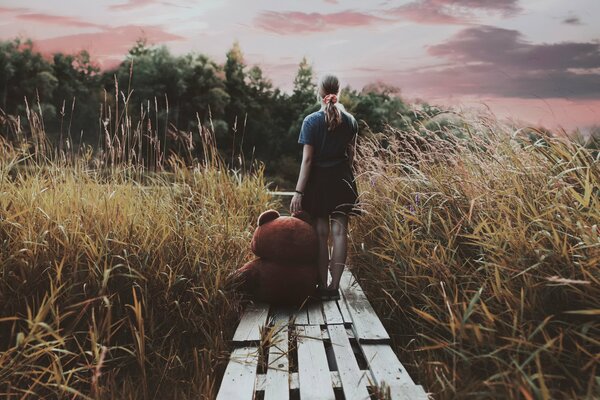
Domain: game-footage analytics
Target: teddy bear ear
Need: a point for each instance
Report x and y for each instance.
(303, 215)
(267, 216)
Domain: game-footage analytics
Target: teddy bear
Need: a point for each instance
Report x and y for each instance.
(285, 271)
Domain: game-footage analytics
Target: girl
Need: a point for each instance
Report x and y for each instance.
(326, 187)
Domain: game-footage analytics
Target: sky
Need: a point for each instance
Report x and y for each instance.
(536, 61)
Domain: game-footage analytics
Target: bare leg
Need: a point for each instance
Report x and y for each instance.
(322, 228)
(339, 234)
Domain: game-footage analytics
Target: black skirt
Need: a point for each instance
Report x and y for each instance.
(330, 191)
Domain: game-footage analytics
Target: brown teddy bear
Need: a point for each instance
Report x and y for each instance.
(286, 271)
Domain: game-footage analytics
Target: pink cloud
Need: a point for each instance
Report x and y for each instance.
(7, 10)
(131, 4)
(292, 22)
(58, 20)
(452, 11)
(427, 12)
(107, 45)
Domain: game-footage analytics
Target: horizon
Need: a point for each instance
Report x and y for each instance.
(536, 61)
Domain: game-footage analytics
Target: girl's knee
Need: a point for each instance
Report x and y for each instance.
(338, 231)
(322, 227)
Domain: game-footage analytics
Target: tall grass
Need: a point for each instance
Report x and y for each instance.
(481, 253)
(113, 280)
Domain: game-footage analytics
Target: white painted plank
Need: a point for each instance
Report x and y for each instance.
(313, 371)
(299, 316)
(341, 303)
(261, 381)
(240, 375)
(251, 323)
(315, 314)
(385, 366)
(386, 369)
(277, 381)
(366, 323)
(281, 314)
(332, 312)
(402, 392)
(354, 381)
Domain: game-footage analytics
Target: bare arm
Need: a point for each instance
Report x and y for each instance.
(307, 154)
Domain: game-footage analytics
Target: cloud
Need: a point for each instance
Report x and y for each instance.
(507, 48)
(106, 45)
(495, 61)
(132, 4)
(427, 12)
(572, 21)
(58, 20)
(453, 11)
(292, 22)
(10, 10)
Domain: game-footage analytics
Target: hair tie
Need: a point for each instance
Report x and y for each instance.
(330, 98)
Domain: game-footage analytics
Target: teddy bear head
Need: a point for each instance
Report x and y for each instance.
(285, 239)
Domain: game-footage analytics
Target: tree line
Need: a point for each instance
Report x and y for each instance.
(250, 117)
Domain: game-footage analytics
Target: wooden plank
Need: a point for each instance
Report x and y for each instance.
(315, 314)
(354, 381)
(261, 381)
(366, 323)
(253, 319)
(384, 364)
(299, 316)
(280, 314)
(386, 368)
(401, 392)
(341, 303)
(277, 380)
(332, 312)
(313, 371)
(240, 374)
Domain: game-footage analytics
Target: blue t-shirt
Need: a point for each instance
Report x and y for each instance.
(330, 147)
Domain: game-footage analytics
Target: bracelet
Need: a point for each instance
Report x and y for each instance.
(299, 192)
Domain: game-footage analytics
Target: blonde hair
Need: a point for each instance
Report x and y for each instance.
(329, 84)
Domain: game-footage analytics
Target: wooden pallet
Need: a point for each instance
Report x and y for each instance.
(325, 350)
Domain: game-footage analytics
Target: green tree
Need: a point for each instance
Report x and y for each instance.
(305, 89)
(25, 74)
(76, 96)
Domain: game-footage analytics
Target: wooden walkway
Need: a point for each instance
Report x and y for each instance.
(326, 350)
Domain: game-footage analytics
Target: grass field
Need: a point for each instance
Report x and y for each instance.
(480, 252)
(114, 281)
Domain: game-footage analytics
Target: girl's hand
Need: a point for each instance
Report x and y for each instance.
(296, 203)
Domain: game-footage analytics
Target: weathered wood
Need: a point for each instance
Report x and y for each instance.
(300, 316)
(315, 314)
(384, 364)
(240, 375)
(261, 381)
(402, 392)
(277, 380)
(341, 303)
(313, 371)
(253, 320)
(325, 333)
(332, 312)
(387, 369)
(354, 381)
(366, 323)
(350, 318)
